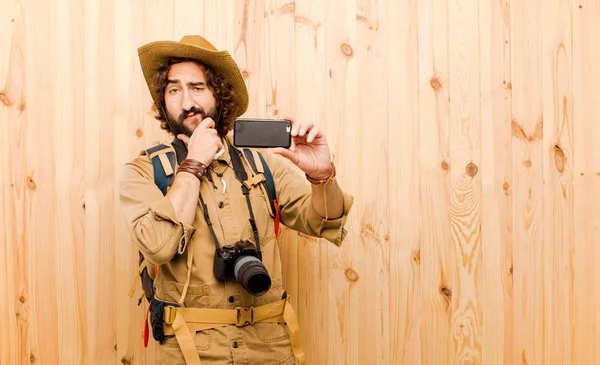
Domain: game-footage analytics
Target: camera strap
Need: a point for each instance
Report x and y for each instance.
(209, 223)
(241, 176)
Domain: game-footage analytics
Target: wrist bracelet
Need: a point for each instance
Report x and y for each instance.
(324, 181)
(194, 167)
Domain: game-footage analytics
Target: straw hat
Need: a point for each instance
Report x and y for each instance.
(198, 48)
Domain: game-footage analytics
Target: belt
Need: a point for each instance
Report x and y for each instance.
(182, 322)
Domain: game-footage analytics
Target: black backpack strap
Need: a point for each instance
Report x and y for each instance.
(269, 185)
(242, 176)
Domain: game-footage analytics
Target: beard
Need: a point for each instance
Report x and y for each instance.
(178, 126)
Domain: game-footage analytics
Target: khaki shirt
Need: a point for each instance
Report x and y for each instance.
(166, 241)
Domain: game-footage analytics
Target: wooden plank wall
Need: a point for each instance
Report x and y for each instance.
(467, 131)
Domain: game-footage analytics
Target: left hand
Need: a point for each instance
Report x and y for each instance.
(310, 150)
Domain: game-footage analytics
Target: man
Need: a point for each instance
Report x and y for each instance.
(198, 92)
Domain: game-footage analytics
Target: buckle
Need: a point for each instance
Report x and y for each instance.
(170, 313)
(245, 316)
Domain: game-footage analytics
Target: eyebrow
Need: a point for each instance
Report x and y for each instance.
(196, 83)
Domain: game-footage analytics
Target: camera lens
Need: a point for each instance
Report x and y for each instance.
(252, 275)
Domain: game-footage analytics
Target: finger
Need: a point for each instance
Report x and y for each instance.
(207, 123)
(290, 119)
(289, 154)
(295, 126)
(314, 133)
(305, 127)
(184, 138)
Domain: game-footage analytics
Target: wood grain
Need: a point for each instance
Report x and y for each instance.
(527, 170)
(558, 198)
(436, 254)
(372, 34)
(497, 181)
(465, 179)
(586, 183)
(467, 133)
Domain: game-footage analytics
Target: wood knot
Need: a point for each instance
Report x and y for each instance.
(351, 275)
(139, 133)
(510, 271)
(472, 169)
(527, 163)
(446, 292)
(435, 83)
(559, 158)
(4, 99)
(31, 184)
(506, 188)
(509, 86)
(445, 165)
(31, 358)
(330, 73)
(126, 361)
(22, 299)
(347, 50)
(417, 257)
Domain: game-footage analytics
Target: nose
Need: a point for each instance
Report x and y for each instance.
(187, 101)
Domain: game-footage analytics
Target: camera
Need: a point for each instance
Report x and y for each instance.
(243, 262)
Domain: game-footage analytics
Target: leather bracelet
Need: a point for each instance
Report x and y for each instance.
(324, 181)
(194, 167)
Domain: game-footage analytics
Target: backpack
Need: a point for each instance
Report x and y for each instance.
(163, 163)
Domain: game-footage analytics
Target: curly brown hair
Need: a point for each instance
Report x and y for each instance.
(226, 106)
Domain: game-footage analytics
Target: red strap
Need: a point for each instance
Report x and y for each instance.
(277, 217)
(146, 332)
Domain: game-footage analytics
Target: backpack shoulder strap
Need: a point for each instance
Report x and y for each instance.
(163, 162)
(268, 183)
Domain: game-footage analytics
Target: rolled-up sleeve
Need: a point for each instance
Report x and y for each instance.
(150, 216)
(294, 195)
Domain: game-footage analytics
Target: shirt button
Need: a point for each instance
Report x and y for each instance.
(231, 299)
(234, 344)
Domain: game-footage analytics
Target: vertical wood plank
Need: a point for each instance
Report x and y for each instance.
(527, 133)
(465, 174)
(130, 96)
(310, 74)
(586, 165)
(558, 200)
(38, 142)
(497, 201)
(436, 256)
(374, 192)
(99, 178)
(14, 250)
(403, 183)
(68, 175)
(345, 336)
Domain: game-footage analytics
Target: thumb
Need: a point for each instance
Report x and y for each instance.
(287, 153)
(184, 138)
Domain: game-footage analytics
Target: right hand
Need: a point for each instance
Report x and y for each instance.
(204, 142)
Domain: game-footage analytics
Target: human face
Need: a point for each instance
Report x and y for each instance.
(188, 97)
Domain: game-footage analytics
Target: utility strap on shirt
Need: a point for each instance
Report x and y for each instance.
(184, 322)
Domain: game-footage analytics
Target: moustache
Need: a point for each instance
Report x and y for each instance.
(193, 110)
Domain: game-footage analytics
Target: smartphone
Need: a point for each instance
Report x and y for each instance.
(262, 133)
